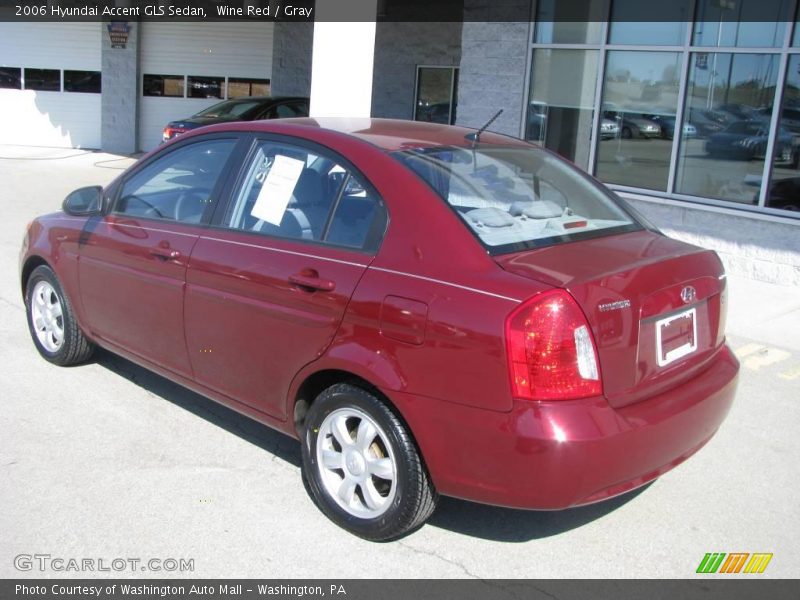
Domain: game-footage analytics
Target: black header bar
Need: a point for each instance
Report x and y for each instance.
(387, 10)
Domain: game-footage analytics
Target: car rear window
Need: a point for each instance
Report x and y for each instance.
(229, 108)
(518, 198)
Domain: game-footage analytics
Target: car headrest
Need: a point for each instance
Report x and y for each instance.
(308, 191)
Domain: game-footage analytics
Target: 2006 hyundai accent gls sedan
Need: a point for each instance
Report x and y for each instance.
(429, 309)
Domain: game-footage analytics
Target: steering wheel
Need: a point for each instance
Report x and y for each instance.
(149, 207)
(190, 205)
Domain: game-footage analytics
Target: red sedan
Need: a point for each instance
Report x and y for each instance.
(428, 309)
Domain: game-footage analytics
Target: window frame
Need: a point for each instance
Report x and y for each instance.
(218, 191)
(236, 181)
(19, 78)
(164, 76)
(66, 86)
(25, 85)
(454, 78)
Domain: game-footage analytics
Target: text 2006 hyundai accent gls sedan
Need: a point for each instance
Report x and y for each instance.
(429, 309)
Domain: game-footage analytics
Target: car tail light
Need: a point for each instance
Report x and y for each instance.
(170, 132)
(551, 354)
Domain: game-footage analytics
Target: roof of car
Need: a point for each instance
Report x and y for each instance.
(387, 134)
(266, 98)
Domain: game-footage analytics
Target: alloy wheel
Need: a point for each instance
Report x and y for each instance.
(47, 316)
(356, 463)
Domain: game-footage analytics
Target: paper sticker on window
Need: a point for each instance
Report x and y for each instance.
(277, 189)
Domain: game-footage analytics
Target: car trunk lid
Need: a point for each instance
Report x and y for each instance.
(654, 305)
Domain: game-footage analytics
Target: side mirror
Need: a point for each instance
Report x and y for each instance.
(85, 201)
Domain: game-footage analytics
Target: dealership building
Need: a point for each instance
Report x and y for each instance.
(695, 120)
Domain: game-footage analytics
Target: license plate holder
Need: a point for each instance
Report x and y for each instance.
(676, 336)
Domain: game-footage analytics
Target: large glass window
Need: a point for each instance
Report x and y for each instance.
(436, 94)
(238, 87)
(729, 102)
(10, 78)
(574, 22)
(43, 80)
(640, 100)
(163, 85)
(205, 87)
(87, 82)
(561, 106)
(627, 27)
(609, 79)
(741, 23)
(784, 189)
(177, 186)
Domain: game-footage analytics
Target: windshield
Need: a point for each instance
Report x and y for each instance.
(229, 108)
(516, 198)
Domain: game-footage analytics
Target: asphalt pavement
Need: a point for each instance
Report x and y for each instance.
(107, 461)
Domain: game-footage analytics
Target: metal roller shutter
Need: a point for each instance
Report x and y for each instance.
(50, 118)
(197, 49)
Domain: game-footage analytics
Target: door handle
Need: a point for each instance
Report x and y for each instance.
(165, 253)
(311, 281)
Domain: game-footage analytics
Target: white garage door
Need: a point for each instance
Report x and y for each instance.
(50, 84)
(188, 66)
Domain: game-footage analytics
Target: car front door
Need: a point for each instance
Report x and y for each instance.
(133, 262)
(268, 284)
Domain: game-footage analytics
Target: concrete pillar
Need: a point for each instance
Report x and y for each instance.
(494, 58)
(291, 58)
(120, 97)
(342, 59)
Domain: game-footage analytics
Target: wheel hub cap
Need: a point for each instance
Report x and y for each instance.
(47, 316)
(356, 463)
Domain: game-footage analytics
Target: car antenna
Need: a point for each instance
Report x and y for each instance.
(476, 136)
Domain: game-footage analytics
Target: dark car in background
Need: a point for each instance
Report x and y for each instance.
(790, 118)
(747, 140)
(250, 108)
(783, 194)
(439, 113)
(667, 123)
(707, 121)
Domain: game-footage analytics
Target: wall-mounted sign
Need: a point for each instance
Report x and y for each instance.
(118, 33)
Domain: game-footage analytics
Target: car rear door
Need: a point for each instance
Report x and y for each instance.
(133, 260)
(269, 282)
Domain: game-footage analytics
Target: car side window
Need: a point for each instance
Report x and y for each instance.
(287, 111)
(178, 186)
(295, 193)
(359, 217)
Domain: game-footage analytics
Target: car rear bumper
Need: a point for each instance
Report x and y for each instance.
(556, 455)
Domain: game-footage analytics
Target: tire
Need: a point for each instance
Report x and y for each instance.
(51, 320)
(354, 444)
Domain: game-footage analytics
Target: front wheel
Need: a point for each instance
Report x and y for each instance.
(51, 321)
(362, 467)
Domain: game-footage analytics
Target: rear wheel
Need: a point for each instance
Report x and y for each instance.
(362, 466)
(627, 133)
(51, 321)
